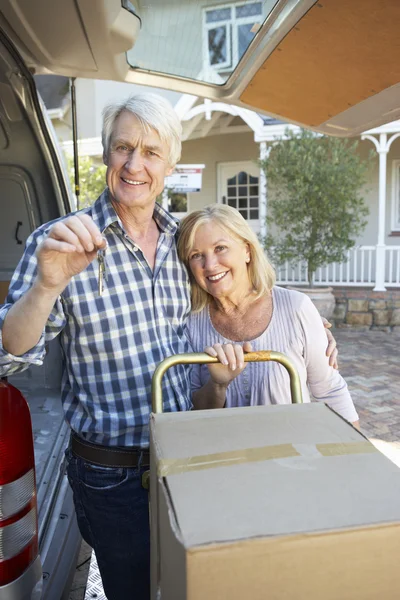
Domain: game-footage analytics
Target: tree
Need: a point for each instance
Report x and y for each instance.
(314, 199)
(92, 180)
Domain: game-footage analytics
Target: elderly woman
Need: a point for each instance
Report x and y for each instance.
(237, 308)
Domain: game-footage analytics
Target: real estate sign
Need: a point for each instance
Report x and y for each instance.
(185, 178)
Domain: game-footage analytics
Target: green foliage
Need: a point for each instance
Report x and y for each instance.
(314, 199)
(92, 180)
(177, 201)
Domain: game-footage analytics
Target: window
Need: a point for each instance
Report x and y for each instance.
(242, 194)
(396, 196)
(228, 31)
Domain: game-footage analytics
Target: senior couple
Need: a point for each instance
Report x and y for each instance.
(117, 283)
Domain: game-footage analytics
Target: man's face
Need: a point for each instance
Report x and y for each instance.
(137, 163)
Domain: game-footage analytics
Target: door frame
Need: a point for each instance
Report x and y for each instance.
(240, 164)
(231, 163)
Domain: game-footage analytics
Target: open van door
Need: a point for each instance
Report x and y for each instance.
(329, 65)
(33, 518)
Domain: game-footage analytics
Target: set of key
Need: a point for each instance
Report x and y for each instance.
(102, 270)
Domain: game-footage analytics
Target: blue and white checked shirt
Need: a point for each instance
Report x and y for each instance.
(112, 343)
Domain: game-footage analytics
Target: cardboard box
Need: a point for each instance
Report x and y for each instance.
(271, 502)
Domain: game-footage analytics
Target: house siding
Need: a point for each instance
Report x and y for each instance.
(94, 94)
(211, 151)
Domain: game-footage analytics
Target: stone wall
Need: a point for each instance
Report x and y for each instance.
(364, 309)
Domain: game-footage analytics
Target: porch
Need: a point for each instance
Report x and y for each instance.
(373, 263)
(358, 301)
(359, 270)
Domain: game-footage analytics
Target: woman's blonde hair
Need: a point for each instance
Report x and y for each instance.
(261, 272)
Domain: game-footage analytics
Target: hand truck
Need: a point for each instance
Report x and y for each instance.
(203, 358)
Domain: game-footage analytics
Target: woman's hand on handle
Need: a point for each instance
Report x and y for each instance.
(231, 357)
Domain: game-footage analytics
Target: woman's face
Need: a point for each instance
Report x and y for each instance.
(219, 262)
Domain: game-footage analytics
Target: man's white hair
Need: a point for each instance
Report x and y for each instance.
(153, 112)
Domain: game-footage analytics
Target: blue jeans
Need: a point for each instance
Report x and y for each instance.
(113, 517)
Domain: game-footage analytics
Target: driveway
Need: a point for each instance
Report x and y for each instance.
(369, 362)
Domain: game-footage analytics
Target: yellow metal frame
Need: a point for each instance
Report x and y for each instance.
(203, 358)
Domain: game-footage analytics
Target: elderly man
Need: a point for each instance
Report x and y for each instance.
(108, 281)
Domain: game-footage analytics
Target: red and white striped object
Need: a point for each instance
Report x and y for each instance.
(18, 503)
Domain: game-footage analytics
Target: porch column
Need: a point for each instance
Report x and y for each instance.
(380, 247)
(382, 149)
(382, 146)
(262, 191)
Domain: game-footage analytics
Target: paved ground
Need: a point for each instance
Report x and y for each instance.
(370, 363)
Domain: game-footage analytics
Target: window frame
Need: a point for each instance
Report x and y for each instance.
(219, 67)
(232, 34)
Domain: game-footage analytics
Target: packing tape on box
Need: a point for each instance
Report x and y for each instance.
(171, 466)
(351, 448)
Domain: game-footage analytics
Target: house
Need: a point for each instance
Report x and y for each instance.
(229, 140)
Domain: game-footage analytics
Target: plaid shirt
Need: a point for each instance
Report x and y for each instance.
(113, 342)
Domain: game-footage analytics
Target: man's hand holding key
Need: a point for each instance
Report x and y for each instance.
(71, 245)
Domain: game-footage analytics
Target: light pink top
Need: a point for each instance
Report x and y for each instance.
(296, 330)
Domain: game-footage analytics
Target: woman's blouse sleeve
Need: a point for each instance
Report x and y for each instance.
(325, 382)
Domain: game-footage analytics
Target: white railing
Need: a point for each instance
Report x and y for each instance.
(392, 266)
(357, 270)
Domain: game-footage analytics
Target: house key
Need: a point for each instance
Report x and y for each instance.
(102, 270)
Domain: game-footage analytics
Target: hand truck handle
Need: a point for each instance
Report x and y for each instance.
(203, 358)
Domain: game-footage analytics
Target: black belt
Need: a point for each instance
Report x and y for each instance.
(108, 456)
